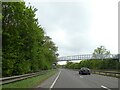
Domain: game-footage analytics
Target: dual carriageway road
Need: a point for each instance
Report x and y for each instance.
(66, 78)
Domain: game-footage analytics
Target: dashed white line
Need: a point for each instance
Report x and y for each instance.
(55, 80)
(81, 77)
(105, 87)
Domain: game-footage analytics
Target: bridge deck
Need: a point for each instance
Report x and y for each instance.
(88, 57)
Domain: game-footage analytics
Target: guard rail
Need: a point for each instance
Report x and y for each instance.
(107, 73)
(6, 80)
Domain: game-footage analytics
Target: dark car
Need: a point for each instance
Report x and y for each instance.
(85, 71)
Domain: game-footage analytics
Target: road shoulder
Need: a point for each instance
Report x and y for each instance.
(47, 83)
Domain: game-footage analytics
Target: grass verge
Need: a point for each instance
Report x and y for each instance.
(30, 82)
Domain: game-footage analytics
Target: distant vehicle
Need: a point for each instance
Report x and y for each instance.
(85, 71)
(54, 66)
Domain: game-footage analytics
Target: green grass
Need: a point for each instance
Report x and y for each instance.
(30, 82)
(0, 87)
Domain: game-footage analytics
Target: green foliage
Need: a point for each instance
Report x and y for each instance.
(25, 46)
(107, 64)
(100, 51)
(0, 22)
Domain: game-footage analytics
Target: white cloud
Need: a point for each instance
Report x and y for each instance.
(80, 27)
(104, 26)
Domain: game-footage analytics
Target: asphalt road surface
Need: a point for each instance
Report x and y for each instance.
(65, 78)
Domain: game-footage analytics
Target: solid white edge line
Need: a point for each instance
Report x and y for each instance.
(105, 87)
(55, 80)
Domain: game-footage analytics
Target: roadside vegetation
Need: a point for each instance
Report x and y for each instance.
(97, 64)
(30, 82)
(107, 64)
(25, 46)
(0, 41)
(0, 22)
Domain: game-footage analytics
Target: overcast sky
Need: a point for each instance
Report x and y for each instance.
(79, 27)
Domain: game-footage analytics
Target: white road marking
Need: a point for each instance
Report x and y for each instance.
(55, 80)
(105, 87)
(81, 77)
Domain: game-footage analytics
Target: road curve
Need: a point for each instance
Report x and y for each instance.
(71, 79)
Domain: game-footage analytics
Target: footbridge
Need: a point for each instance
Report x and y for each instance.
(88, 57)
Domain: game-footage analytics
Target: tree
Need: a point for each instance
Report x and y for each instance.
(101, 53)
(25, 46)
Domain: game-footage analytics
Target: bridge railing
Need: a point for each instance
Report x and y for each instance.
(88, 57)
